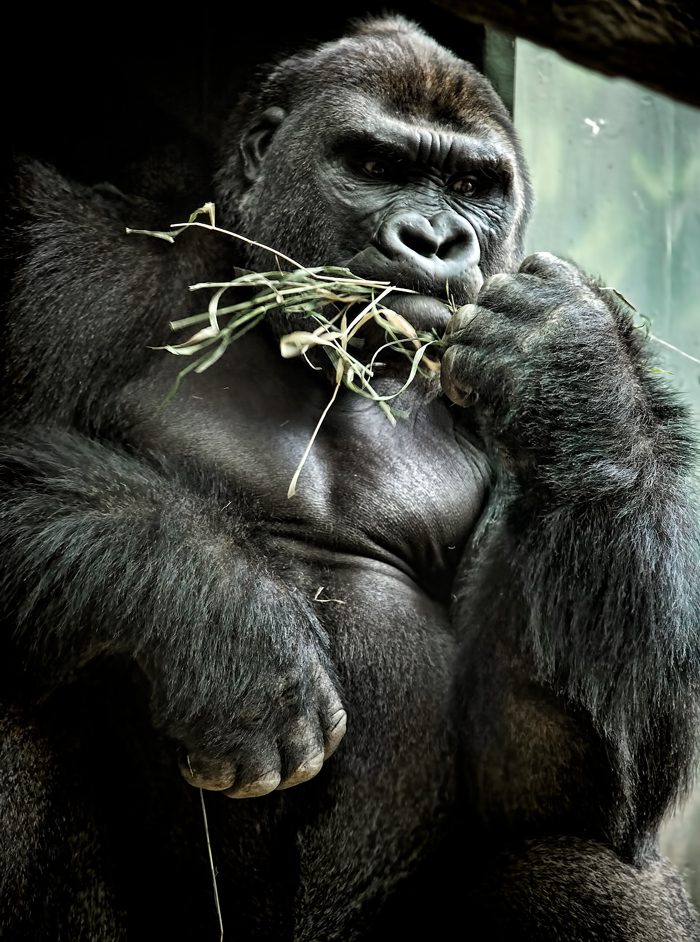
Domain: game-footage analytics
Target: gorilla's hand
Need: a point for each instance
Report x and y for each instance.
(256, 710)
(556, 378)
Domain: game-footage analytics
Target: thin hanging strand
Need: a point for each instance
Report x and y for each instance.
(211, 864)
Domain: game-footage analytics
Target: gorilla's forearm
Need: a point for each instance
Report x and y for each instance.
(588, 562)
(586, 720)
(105, 554)
(614, 601)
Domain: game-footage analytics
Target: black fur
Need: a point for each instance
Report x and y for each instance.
(500, 595)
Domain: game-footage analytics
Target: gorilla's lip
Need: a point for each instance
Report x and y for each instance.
(422, 311)
(427, 308)
(422, 307)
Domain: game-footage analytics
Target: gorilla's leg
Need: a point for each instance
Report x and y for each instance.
(567, 888)
(566, 834)
(53, 867)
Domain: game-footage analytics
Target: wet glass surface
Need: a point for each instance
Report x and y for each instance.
(616, 172)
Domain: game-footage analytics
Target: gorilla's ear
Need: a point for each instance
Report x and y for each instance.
(256, 141)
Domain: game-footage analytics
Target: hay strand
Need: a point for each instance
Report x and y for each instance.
(309, 292)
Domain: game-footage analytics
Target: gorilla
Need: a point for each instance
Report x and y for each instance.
(471, 641)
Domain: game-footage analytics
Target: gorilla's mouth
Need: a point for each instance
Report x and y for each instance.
(435, 298)
(423, 312)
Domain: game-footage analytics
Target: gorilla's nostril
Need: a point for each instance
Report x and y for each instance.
(424, 244)
(451, 248)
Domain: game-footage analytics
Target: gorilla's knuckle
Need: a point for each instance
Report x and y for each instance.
(263, 785)
(544, 264)
(460, 320)
(303, 735)
(303, 772)
(554, 270)
(335, 731)
(495, 286)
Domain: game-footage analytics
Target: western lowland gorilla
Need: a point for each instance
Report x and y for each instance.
(498, 597)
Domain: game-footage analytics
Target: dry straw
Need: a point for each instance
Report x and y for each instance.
(313, 293)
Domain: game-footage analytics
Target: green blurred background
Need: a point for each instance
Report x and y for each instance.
(616, 172)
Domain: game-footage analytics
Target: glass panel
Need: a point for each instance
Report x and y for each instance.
(616, 171)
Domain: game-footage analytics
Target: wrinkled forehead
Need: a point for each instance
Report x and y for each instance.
(377, 125)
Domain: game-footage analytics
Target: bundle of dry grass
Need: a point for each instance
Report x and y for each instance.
(328, 297)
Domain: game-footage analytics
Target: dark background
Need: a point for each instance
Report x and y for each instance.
(150, 89)
(106, 104)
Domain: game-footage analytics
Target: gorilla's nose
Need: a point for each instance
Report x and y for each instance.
(442, 244)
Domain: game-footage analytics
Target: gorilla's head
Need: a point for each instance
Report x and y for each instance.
(384, 153)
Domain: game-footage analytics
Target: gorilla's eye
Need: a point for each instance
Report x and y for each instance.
(479, 183)
(467, 186)
(374, 168)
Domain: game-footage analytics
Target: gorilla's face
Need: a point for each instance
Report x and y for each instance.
(418, 205)
(398, 163)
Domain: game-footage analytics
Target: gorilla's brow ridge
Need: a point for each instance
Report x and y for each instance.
(402, 141)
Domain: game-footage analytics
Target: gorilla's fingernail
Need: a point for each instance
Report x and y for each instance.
(338, 726)
(462, 318)
(467, 314)
(263, 786)
(460, 394)
(305, 771)
(217, 780)
(498, 279)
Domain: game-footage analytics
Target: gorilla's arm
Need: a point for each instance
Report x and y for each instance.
(105, 554)
(585, 572)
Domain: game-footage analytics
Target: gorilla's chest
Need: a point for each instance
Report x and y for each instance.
(407, 496)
